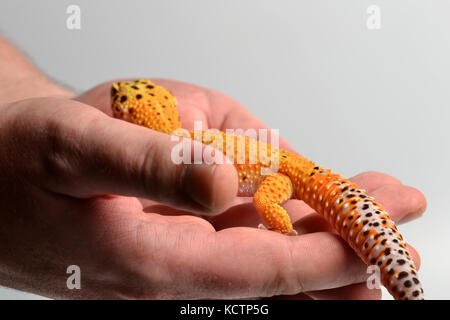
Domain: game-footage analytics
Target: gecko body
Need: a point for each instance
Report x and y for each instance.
(355, 215)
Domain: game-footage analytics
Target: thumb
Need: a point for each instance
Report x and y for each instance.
(92, 154)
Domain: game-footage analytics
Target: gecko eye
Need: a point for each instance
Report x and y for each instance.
(115, 87)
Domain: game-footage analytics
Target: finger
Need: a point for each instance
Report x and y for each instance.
(88, 153)
(403, 203)
(415, 256)
(98, 97)
(371, 180)
(245, 215)
(241, 215)
(194, 104)
(270, 264)
(358, 291)
(299, 296)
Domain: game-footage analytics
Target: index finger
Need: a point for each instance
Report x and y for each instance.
(212, 108)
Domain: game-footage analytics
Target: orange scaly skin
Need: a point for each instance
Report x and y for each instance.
(355, 215)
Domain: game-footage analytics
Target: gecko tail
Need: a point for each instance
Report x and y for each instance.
(367, 228)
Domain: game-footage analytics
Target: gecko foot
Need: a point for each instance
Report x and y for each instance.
(291, 233)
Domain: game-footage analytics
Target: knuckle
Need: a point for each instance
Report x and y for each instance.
(286, 278)
(55, 154)
(290, 279)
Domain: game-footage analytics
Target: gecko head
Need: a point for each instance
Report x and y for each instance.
(284, 156)
(144, 103)
(124, 97)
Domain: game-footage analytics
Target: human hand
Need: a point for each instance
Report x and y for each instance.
(60, 160)
(402, 202)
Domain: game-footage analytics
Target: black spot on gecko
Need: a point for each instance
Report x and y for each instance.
(408, 284)
(138, 96)
(383, 242)
(123, 99)
(401, 261)
(149, 86)
(402, 275)
(365, 207)
(135, 88)
(369, 214)
(387, 251)
(416, 293)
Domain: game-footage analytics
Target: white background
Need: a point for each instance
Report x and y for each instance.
(349, 98)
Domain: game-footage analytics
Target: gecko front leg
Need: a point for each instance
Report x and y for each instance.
(273, 191)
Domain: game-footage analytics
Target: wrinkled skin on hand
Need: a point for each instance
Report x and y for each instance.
(79, 187)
